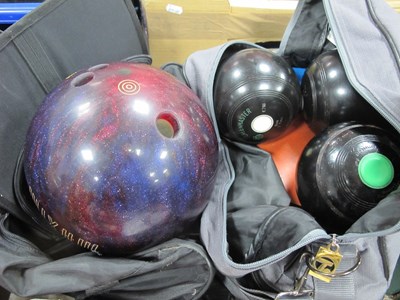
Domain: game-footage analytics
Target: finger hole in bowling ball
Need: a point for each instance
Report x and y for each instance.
(82, 79)
(167, 125)
(98, 67)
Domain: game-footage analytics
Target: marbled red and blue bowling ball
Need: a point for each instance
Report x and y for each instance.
(120, 157)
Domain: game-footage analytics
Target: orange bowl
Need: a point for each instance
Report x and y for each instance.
(286, 152)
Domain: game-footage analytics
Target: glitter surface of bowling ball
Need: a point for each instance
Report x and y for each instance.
(120, 157)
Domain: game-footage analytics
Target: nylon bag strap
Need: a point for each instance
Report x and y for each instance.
(35, 56)
(344, 287)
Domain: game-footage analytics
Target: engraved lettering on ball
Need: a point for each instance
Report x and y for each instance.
(128, 87)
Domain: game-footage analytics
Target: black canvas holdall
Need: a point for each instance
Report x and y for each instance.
(262, 246)
(53, 41)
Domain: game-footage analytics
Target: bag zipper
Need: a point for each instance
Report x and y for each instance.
(394, 121)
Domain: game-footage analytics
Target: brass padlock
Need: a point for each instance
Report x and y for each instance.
(326, 261)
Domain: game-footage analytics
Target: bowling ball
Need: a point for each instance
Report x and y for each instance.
(329, 98)
(345, 171)
(120, 157)
(256, 96)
